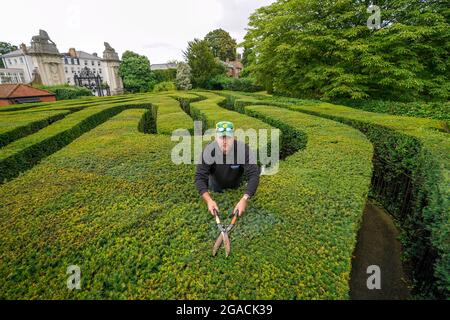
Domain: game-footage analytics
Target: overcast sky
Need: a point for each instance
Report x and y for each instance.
(160, 29)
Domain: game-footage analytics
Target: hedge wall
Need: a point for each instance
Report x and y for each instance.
(114, 204)
(404, 147)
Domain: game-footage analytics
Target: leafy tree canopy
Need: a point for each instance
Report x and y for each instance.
(222, 44)
(136, 73)
(324, 49)
(204, 66)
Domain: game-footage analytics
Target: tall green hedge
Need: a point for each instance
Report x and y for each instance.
(404, 147)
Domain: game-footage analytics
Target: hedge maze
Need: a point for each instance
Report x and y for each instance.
(91, 183)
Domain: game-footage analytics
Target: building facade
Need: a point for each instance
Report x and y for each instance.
(42, 63)
(12, 76)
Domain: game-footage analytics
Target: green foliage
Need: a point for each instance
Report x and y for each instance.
(5, 48)
(324, 49)
(222, 44)
(202, 62)
(404, 147)
(165, 75)
(136, 73)
(67, 92)
(223, 82)
(165, 86)
(113, 202)
(16, 126)
(433, 110)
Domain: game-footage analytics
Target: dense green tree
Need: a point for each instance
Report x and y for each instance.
(324, 49)
(136, 73)
(222, 44)
(204, 66)
(5, 48)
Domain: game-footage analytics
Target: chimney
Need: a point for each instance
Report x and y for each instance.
(95, 54)
(72, 53)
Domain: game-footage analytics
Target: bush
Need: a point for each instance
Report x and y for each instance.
(165, 75)
(165, 86)
(67, 92)
(433, 110)
(234, 84)
(405, 148)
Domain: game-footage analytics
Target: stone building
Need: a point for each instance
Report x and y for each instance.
(12, 76)
(41, 62)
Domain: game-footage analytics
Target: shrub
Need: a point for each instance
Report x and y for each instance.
(434, 110)
(67, 92)
(114, 204)
(234, 84)
(404, 147)
(165, 86)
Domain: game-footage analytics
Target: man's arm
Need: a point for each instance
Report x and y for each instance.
(252, 171)
(201, 182)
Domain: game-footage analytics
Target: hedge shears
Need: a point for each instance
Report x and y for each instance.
(224, 231)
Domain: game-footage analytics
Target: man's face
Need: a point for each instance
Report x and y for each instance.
(225, 143)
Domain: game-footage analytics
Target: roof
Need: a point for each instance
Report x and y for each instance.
(83, 55)
(163, 66)
(15, 53)
(21, 90)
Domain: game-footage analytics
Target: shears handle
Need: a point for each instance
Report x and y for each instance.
(216, 215)
(235, 217)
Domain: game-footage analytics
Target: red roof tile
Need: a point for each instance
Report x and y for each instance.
(21, 90)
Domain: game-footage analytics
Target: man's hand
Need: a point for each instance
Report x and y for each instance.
(210, 203)
(241, 206)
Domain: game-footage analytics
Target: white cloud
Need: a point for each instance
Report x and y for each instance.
(159, 29)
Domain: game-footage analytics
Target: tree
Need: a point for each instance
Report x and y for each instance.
(5, 48)
(222, 44)
(183, 79)
(136, 73)
(203, 65)
(324, 49)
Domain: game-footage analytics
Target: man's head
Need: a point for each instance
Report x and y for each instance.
(225, 135)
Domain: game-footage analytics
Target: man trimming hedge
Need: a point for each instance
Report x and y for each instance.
(223, 165)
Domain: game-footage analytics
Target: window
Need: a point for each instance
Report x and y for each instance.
(73, 61)
(100, 70)
(73, 70)
(85, 62)
(93, 63)
(99, 63)
(9, 61)
(78, 61)
(21, 60)
(66, 61)
(15, 61)
(66, 70)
